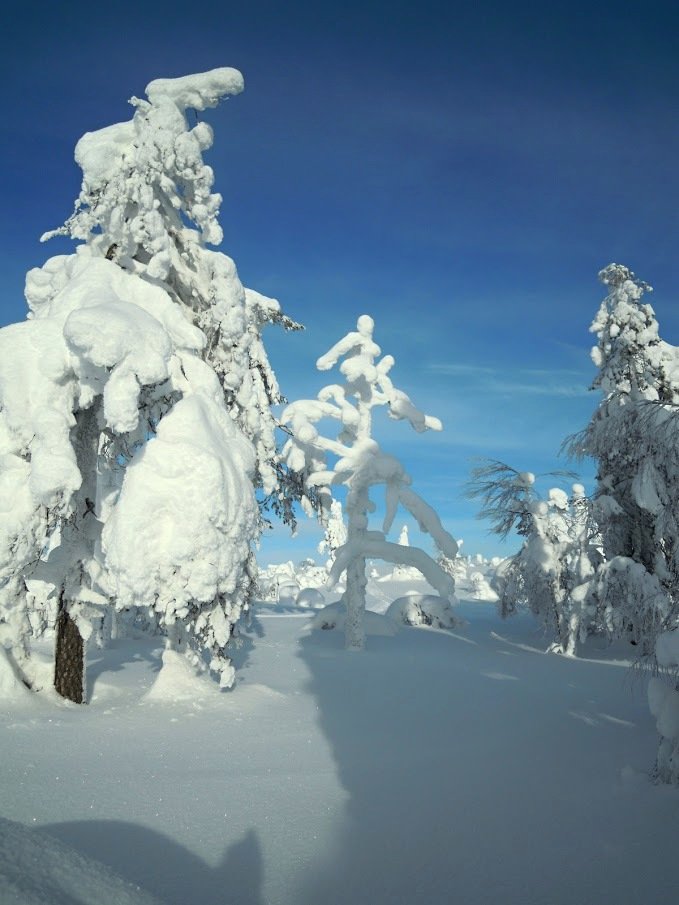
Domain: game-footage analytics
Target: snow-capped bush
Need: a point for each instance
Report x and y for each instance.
(334, 616)
(310, 598)
(423, 610)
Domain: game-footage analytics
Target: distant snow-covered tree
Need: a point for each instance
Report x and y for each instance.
(552, 573)
(335, 533)
(359, 464)
(636, 473)
(135, 404)
(634, 438)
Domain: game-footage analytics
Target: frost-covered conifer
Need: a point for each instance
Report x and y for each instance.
(135, 403)
(552, 573)
(359, 464)
(634, 439)
(335, 533)
(635, 473)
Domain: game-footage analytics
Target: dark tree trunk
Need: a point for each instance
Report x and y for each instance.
(69, 661)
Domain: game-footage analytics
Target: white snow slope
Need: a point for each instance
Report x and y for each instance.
(432, 768)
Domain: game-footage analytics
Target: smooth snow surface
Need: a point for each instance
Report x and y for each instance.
(434, 767)
(36, 869)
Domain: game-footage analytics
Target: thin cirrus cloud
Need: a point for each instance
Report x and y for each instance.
(560, 382)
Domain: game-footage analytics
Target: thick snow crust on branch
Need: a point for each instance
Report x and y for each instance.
(183, 524)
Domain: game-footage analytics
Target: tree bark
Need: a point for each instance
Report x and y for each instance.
(69, 660)
(354, 598)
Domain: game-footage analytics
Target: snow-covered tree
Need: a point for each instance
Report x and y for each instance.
(553, 572)
(635, 455)
(359, 464)
(634, 437)
(335, 533)
(135, 404)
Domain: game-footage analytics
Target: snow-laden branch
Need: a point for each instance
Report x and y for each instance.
(372, 545)
(199, 91)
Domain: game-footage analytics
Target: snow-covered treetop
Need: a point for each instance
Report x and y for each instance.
(361, 371)
(359, 463)
(367, 385)
(147, 204)
(197, 92)
(143, 179)
(631, 357)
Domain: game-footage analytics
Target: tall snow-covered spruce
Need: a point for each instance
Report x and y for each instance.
(636, 476)
(359, 464)
(135, 403)
(634, 437)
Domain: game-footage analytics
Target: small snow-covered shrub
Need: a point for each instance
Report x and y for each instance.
(288, 591)
(481, 588)
(334, 616)
(423, 609)
(310, 598)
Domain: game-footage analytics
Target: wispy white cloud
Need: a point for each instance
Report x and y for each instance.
(569, 382)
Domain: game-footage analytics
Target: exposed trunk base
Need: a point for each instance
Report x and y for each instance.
(69, 660)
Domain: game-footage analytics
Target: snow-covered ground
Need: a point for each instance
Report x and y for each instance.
(434, 767)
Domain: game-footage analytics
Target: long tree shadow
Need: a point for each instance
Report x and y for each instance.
(162, 867)
(118, 654)
(466, 776)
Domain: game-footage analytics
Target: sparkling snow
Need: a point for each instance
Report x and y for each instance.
(434, 767)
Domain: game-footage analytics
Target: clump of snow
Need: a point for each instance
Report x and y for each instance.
(199, 91)
(481, 588)
(310, 598)
(179, 681)
(12, 689)
(183, 523)
(100, 154)
(288, 589)
(334, 616)
(423, 609)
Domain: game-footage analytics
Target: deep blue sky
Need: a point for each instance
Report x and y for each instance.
(459, 171)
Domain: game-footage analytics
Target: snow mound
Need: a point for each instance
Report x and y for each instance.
(481, 588)
(178, 681)
(667, 648)
(334, 615)
(664, 705)
(288, 590)
(37, 870)
(423, 609)
(11, 687)
(310, 598)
